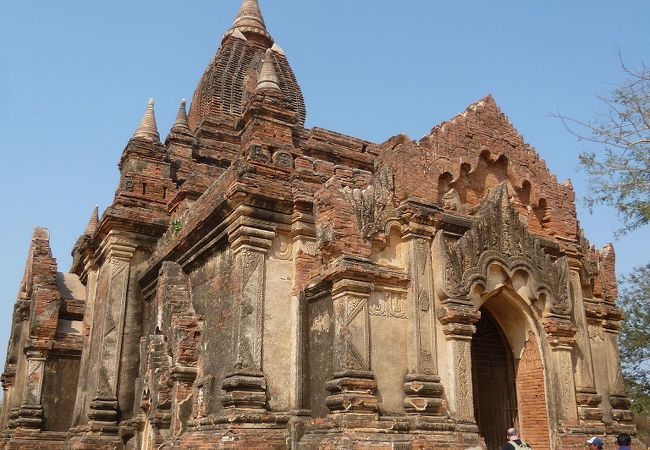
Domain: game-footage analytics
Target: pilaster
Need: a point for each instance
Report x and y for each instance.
(91, 274)
(560, 333)
(458, 318)
(30, 414)
(352, 387)
(422, 387)
(618, 399)
(245, 386)
(587, 397)
(104, 405)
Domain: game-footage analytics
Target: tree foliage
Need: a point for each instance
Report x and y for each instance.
(634, 299)
(634, 343)
(620, 176)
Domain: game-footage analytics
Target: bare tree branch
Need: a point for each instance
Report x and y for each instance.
(620, 176)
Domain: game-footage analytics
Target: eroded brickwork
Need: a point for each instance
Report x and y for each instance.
(531, 390)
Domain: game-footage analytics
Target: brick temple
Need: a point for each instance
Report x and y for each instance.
(259, 284)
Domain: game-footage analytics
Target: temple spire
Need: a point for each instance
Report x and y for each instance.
(249, 16)
(268, 78)
(148, 129)
(93, 223)
(180, 124)
(249, 20)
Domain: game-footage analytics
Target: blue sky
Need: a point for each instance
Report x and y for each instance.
(76, 76)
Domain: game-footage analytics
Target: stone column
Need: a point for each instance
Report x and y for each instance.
(422, 387)
(561, 337)
(458, 318)
(245, 386)
(30, 414)
(617, 396)
(352, 387)
(587, 396)
(104, 405)
(82, 391)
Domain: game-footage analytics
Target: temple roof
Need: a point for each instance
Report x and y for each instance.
(231, 77)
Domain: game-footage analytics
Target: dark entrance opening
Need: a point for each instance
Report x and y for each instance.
(493, 378)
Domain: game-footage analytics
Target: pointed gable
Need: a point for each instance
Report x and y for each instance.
(463, 158)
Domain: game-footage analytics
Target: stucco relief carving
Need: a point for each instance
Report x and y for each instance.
(498, 235)
(309, 247)
(462, 376)
(596, 333)
(451, 201)
(566, 377)
(388, 304)
(34, 381)
(375, 204)
(283, 159)
(252, 298)
(282, 248)
(422, 303)
(356, 334)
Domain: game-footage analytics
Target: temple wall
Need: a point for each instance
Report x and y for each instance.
(389, 337)
(212, 297)
(318, 350)
(59, 392)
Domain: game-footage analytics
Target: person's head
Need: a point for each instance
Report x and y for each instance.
(512, 434)
(595, 443)
(623, 439)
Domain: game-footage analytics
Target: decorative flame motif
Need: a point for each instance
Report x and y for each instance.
(500, 236)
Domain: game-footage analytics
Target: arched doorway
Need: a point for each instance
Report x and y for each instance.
(493, 378)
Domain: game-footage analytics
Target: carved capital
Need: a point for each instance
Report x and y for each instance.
(560, 333)
(414, 230)
(458, 320)
(351, 287)
(118, 247)
(247, 237)
(247, 231)
(37, 354)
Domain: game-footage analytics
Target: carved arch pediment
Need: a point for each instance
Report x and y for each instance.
(499, 236)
